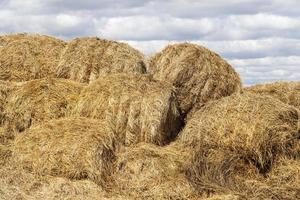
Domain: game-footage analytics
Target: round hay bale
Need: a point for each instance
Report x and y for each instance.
(84, 59)
(255, 127)
(75, 148)
(25, 57)
(148, 171)
(140, 108)
(39, 100)
(287, 92)
(199, 74)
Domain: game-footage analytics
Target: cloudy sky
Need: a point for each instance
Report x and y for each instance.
(261, 39)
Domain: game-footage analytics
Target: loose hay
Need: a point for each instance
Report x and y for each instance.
(287, 92)
(141, 109)
(6, 88)
(255, 127)
(25, 57)
(84, 59)
(199, 74)
(39, 100)
(72, 148)
(152, 172)
(19, 184)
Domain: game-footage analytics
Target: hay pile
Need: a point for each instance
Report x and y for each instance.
(39, 100)
(256, 127)
(72, 148)
(235, 143)
(287, 92)
(84, 59)
(140, 108)
(199, 74)
(148, 171)
(25, 57)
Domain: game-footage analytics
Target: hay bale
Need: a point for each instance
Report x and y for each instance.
(287, 92)
(147, 171)
(141, 109)
(84, 59)
(75, 148)
(39, 100)
(25, 57)
(255, 127)
(199, 74)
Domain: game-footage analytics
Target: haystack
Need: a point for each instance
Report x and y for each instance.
(199, 74)
(287, 92)
(147, 171)
(84, 59)
(255, 127)
(40, 100)
(25, 57)
(141, 109)
(75, 148)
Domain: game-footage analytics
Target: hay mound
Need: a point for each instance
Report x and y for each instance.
(25, 57)
(152, 172)
(84, 59)
(287, 92)
(141, 109)
(255, 127)
(39, 100)
(198, 74)
(72, 148)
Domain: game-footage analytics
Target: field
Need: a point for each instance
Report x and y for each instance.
(95, 119)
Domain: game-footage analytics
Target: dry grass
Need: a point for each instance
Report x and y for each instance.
(141, 109)
(148, 171)
(287, 92)
(236, 142)
(72, 148)
(16, 183)
(199, 74)
(25, 57)
(84, 59)
(5, 89)
(256, 127)
(39, 100)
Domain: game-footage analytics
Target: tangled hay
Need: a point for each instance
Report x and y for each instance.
(199, 74)
(147, 171)
(140, 108)
(72, 148)
(287, 92)
(39, 100)
(255, 127)
(5, 154)
(25, 57)
(84, 59)
(5, 89)
(16, 183)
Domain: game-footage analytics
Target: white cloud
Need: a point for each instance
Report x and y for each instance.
(261, 39)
